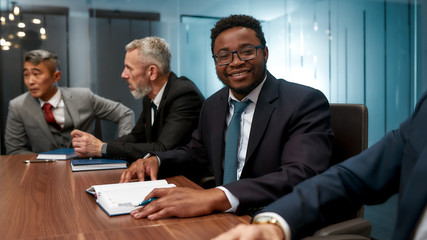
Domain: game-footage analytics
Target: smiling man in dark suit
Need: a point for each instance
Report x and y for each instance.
(283, 136)
(395, 164)
(171, 106)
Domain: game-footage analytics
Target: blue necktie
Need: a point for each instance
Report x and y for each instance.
(232, 143)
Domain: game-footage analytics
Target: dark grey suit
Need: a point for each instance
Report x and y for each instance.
(288, 142)
(396, 164)
(28, 132)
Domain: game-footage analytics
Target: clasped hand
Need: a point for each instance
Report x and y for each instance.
(85, 144)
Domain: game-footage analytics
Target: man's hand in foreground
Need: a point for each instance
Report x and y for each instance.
(141, 168)
(252, 232)
(85, 144)
(182, 202)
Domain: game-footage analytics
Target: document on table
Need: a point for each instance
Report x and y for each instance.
(122, 198)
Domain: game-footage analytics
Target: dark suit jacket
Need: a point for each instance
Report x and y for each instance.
(396, 164)
(28, 132)
(289, 141)
(175, 120)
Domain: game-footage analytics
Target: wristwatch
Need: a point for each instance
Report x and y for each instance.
(104, 150)
(264, 219)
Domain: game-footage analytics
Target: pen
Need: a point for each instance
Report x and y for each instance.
(143, 203)
(39, 161)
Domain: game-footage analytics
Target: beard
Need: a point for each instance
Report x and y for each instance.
(141, 91)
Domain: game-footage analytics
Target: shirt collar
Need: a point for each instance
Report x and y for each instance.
(253, 95)
(54, 101)
(159, 95)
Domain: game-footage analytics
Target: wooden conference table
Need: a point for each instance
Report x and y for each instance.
(48, 201)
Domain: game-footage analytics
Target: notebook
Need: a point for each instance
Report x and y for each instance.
(122, 198)
(96, 164)
(58, 154)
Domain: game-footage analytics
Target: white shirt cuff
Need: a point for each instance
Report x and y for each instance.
(281, 221)
(233, 200)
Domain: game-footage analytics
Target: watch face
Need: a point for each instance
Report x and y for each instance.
(266, 219)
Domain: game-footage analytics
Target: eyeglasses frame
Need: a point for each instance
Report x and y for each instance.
(215, 56)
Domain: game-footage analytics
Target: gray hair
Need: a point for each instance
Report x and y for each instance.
(37, 56)
(154, 50)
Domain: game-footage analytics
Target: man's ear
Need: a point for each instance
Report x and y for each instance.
(56, 76)
(265, 50)
(152, 72)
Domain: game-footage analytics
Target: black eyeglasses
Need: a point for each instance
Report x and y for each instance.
(244, 54)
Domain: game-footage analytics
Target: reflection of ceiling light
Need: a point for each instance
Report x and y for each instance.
(42, 30)
(3, 20)
(11, 17)
(36, 21)
(21, 34)
(5, 48)
(11, 36)
(43, 36)
(21, 25)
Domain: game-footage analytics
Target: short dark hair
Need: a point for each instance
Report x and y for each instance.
(37, 56)
(237, 21)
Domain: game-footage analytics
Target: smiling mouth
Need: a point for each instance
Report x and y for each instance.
(239, 74)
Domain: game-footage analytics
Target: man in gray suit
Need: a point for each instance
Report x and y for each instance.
(33, 127)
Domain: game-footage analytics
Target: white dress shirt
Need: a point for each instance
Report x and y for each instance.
(245, 129)
(58, 109)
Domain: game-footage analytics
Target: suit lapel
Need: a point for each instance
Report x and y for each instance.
(146, 110)
(413, 199)
(263, 111)
(34, 109)
(171, 80)
(70, 107)
(218, 122)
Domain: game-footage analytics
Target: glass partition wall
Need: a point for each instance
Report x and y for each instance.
(354, 51)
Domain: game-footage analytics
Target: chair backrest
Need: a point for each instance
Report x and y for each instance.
(349, 122)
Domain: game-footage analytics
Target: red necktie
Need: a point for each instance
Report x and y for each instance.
(50, 119)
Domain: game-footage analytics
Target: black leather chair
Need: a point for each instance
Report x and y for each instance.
(350, 125)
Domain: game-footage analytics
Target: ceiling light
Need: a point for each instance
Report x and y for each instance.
(16, 10)
(36, 21)
(21, 34)
(11, 17)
